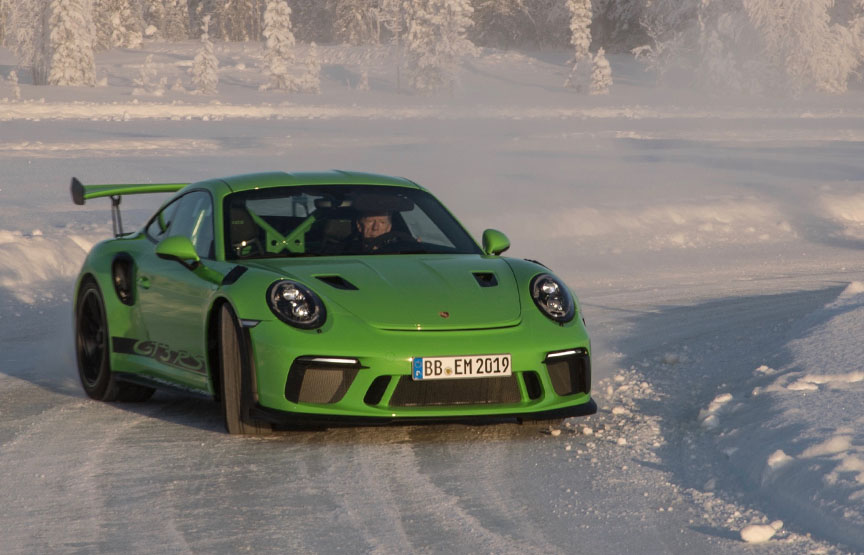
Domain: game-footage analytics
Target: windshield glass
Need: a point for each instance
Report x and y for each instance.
(339, 220)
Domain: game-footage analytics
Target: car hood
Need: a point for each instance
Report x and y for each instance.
(413, 292)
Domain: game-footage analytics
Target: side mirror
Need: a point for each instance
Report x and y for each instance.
(179, 249)
(495, 242)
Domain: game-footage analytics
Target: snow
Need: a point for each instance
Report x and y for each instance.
(758, 533)
(714, 244)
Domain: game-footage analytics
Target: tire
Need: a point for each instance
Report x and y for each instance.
(235, 379)
(92, 350)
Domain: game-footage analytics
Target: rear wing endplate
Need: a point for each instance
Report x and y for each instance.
(81, 193)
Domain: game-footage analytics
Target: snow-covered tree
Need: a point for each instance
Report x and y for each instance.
(502, 23)
(673, 33)
(154, 18)
(617, 24)
(13, 84)
(70, 43)
(4, 21)
(26, 30)
(312, 20)
(239, 20)
(170, 17)
(435, 40)
(117, 23)
(551, 22)
(310, 80)
(601, 76)
(279, 46)
(146, 82)
(176, 20)
(205, 66)
(390, 14)
(801, 42)
(354, 21)
(580, 27)
(580, 38)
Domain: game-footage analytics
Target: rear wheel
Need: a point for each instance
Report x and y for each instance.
(93, 355)
(235, 380)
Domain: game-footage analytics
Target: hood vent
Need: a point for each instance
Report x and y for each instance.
(338, 282)
(486, 279)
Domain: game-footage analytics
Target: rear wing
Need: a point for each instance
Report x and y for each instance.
(81, 193)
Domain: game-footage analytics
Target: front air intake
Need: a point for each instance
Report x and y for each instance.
(570, 374)
(471, 391)
(319, 381)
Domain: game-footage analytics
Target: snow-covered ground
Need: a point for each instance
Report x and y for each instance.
(715, 243)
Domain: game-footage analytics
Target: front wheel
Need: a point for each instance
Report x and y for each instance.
(236, 378)
(92, 352)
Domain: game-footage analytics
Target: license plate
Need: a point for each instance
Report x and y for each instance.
(469, 366)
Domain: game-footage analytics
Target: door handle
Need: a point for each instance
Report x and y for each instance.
(144, 282)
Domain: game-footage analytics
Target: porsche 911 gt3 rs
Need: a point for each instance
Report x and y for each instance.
(324, 298)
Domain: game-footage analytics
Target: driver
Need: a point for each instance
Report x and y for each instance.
(376, 232)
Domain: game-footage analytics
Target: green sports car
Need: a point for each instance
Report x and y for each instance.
(320, 299)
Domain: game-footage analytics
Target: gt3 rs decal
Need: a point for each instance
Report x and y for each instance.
(159, 352)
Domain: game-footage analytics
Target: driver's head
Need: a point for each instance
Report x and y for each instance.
(374, 224)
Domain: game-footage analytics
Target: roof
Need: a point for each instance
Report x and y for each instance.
(265, 180)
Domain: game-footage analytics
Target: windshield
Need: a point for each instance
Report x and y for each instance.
(339, 220)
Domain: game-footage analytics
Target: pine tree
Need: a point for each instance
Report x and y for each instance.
(239, 20)
(70, 44)
(154, 18)
(502, 23)
(146, 82)
(117, 24)
(391, 15)
(435, 40)
(580, 38)
(310, 82)
(26, 22)
(205, 66)
(601, 76)
(169, 17)
(354, 21)
(617, 23)
(279, 44)
(13, 83)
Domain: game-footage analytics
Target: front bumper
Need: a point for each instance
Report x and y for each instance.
(372, 384)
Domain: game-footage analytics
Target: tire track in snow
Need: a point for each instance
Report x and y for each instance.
(55, 472)
(399, 507)
(495, 490)
(367, 501)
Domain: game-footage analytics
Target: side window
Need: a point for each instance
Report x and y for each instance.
(194, 219)
(158, 228)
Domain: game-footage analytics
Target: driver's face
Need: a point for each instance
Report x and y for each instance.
(374, 226)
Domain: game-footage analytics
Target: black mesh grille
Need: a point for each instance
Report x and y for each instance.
(479, 391)
(571, 374)
(318, 384)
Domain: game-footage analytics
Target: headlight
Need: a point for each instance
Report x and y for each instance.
(553, 298)
(296, 304)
